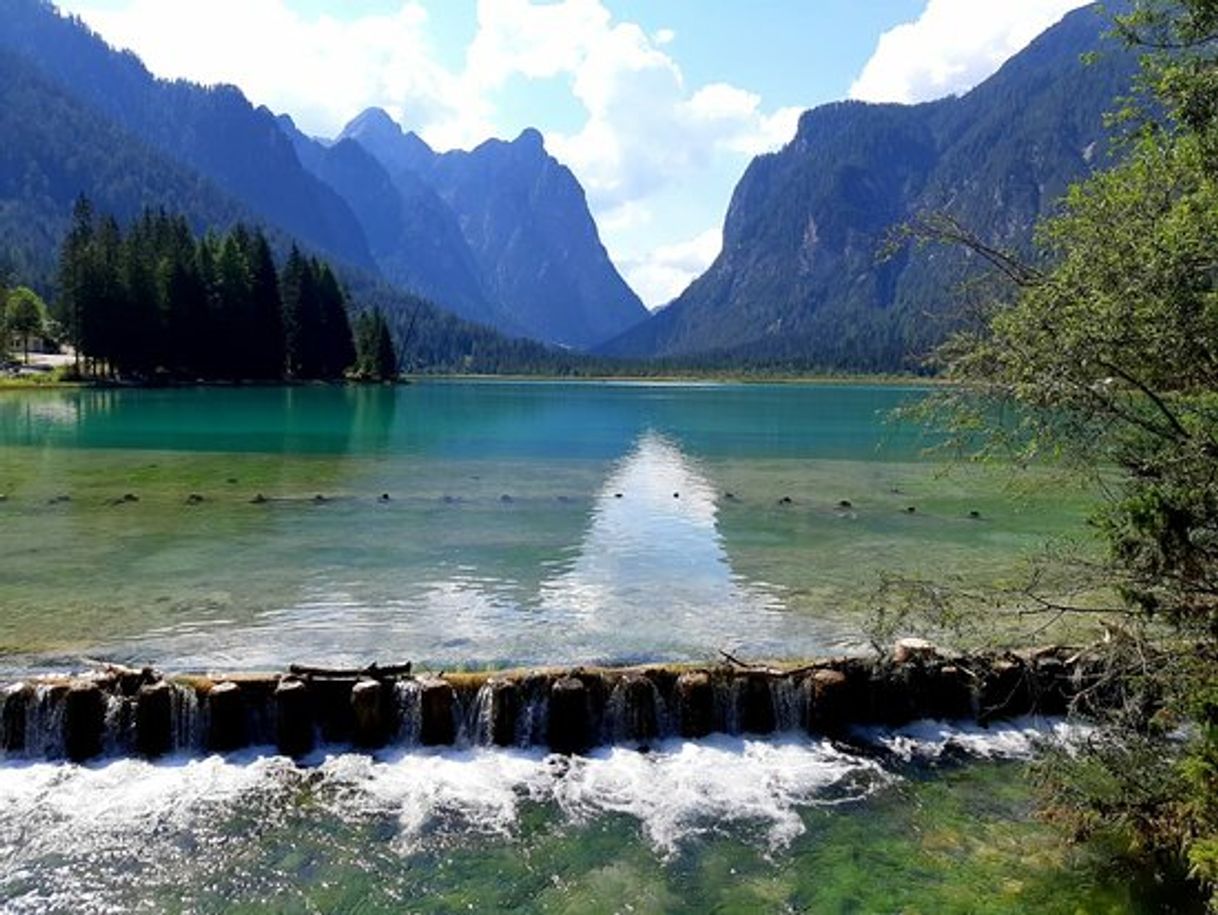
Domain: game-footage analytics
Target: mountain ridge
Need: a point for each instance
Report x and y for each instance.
(526, 223)
(798, 280)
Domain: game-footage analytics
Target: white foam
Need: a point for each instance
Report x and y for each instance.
(436, 792)
(1016, 739)
(686, 789)
(61, 823)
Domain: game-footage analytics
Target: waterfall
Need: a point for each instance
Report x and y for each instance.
(791, 699)
(409, 698)
(188, 734)
(532, 722)
(44, 711)
(632, 714)
(118, 726)
(481, 728)
(140, 713)
(467, 717)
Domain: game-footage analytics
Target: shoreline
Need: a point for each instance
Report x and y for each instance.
(911, 381)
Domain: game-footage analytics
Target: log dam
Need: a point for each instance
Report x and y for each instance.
(114, 712)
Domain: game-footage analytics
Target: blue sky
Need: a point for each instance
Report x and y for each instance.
(656, 105)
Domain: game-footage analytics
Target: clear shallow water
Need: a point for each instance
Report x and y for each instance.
(890, 823)
(527, 522)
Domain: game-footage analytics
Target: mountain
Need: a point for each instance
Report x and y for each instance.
(400, 151)
(55, 147)
(58, 144)
(214, 131)
(525, 223)
(800, 280)
(412, 233)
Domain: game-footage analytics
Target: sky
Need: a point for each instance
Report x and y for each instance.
(657, 106)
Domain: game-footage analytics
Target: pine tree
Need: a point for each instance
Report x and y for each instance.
(266, 318)
(336, 354)
(73, 276)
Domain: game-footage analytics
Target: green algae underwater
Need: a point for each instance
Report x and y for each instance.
(467, 524)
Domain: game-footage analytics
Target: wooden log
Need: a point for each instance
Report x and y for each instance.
(569, 718)
(84, 721)
(369, 708)
(226, 728)
(695, 704)
(438, 728)
(293, 718)
(154, 719)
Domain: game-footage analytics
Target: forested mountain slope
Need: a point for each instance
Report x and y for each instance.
(800, 280)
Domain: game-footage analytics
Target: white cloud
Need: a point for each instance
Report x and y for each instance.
(644, 132)
(646, 129)
(665, 272)
(953, 46)
(321, 69)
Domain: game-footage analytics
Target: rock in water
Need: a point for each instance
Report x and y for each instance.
(907, 650)
(639, 718)
(13, 711)
(830, 702)
(756, 706)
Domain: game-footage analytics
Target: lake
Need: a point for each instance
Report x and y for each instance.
(462, 524)
(523, 522)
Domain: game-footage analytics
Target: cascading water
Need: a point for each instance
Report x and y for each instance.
(127, 713)
(408, 695)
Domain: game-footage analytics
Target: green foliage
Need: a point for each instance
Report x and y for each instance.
(25, 316)
(1108, 360)
(376, 359)
(156, 300)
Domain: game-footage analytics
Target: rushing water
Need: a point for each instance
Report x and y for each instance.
(887, 823)
(525, 522)
(230, 529)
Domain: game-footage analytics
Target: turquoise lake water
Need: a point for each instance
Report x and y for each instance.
(467, 524)
(524, 523)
